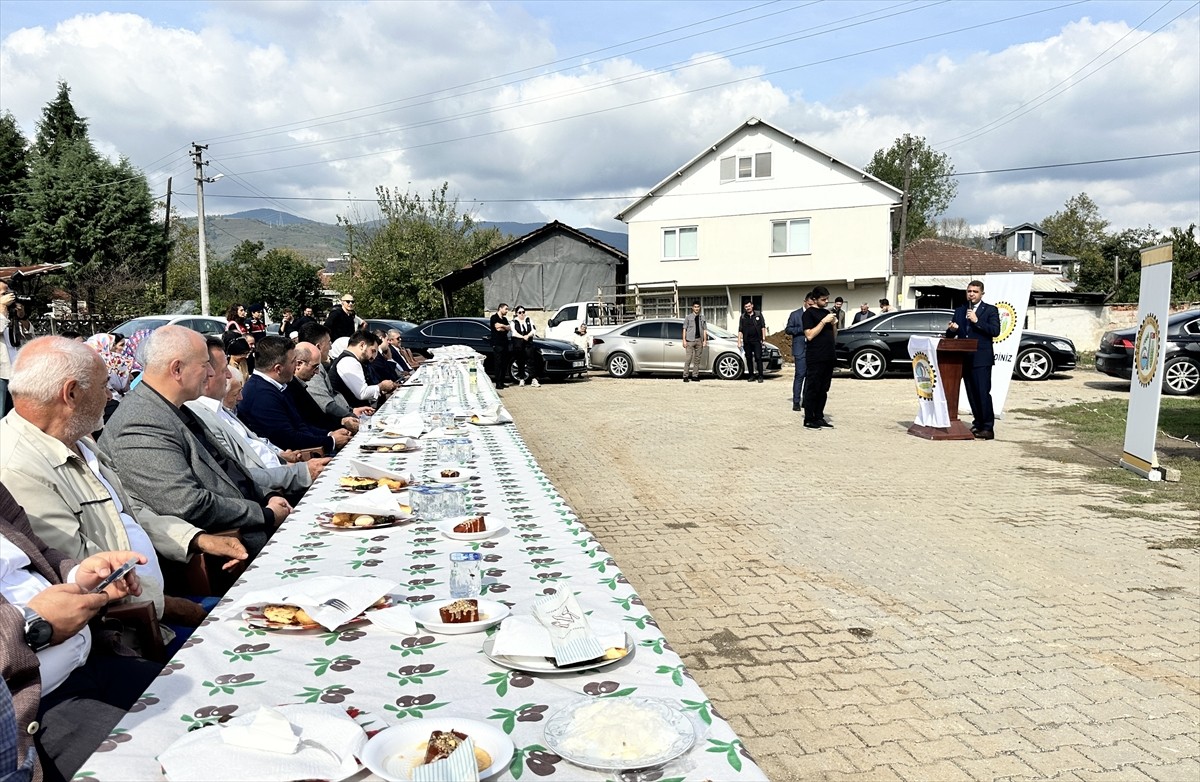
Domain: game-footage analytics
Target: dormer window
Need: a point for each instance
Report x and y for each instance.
(1024, 241)
(756, 166)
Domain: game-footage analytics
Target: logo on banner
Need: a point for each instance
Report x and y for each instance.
(1145, 350)
(1008, 321)
(924, 375)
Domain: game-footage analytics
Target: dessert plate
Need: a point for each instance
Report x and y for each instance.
(493, 527)
(462, 477)
(394, 752)
(545, 664)
(427, 616)
(614, 734)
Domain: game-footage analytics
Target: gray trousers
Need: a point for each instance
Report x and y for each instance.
(693, 355)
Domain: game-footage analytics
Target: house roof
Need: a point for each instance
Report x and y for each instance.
(16, 272)
(934, 257)
(750, 123)
(481, 266)
(1022, 227)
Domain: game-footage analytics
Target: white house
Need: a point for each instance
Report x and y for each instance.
(761, 215)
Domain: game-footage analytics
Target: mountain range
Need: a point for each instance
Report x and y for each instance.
(318, 241)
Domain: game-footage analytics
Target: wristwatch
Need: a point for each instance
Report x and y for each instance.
(38, 631)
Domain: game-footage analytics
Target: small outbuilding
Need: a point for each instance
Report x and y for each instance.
(542, 270)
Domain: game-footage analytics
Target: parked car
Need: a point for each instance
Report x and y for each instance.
(205, 324)
(875, 346)
(387, 324)
(1181, 374)
(656, 345)
(560, 359)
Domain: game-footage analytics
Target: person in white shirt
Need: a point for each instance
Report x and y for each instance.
(348, 372)
(525, 353)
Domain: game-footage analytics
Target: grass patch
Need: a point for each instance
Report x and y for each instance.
(1177, 543)
(1098, 428)
(1086, 359)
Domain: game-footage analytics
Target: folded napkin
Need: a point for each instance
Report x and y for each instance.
(572, 636)
(357, 592)
(365, 470)
(494, 414)
(325, 743)
(410, 425)
(380, 500)
(524, 636)
(397, 619)
(459, 767)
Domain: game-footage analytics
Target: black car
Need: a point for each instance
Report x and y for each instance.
(1181, 374)
(874, 346)
(387, 324)
(559, 359)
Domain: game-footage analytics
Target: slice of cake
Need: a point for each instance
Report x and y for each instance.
(460, 611)
(442, 744)
(450, 473)
(471, 525)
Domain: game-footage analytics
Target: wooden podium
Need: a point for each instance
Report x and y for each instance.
(951, 353)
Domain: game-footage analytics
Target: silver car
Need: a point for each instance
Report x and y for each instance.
(656, 345)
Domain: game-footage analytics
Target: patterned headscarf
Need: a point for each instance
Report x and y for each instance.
(131, 346)
(119, 366)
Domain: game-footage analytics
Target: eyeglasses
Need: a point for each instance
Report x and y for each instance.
(347, 301)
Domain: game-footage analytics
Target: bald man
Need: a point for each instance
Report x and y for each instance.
(71, 492)
(165, 456)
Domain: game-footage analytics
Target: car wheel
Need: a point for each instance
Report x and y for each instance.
(868, 364)
(1181, 376)
(1034, 364)
(728, 366)
(620, 365)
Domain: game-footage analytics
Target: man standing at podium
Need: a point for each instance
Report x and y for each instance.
(981, 322)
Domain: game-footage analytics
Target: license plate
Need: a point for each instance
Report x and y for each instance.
(576, 364)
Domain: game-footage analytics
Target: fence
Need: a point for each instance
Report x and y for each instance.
(87, 325)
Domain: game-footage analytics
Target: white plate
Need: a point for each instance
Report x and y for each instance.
(561, 728)
(544, 664)
(253, 616)
(394, 751)
(463, 476)
(325, 521)
(493, 526)
(373, 445)
(428, 617)
(487, 421)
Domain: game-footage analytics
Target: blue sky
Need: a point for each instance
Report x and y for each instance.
(153, 77)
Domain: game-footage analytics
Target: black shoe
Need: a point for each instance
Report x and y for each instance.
(687, 379)
(824, 424)
(795, 408)
(812, 425)
(974, 429)
(985, 434)
(750, 379)
(695, 378)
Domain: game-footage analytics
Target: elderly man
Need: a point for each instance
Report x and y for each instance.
(308, 364)
(72, 493)
(348, 372)
(318, 384)
(68, 688)
(259, 458)
(167, 459)
(267, 409)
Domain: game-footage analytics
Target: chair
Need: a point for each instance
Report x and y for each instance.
(202, 576)
(141, 619)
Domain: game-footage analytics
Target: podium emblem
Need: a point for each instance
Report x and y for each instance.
(1145, 350)
(1008, 321)
(924, 375)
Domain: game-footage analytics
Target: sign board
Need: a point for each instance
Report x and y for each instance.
(931, 393)
(1009, 293)
(1149, 359)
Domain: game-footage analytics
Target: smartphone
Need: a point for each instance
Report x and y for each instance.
(117, 574)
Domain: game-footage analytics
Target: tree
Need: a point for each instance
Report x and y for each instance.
(14, 178)
(394, 263)
(1077, 230)
(60, 125)
(1186, 260)
(959, 231)
(1121, 255)
(932, 186)
(278, 278)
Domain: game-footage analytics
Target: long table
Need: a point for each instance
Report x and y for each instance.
(228, 668)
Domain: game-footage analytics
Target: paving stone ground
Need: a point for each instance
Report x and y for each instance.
(862, 604)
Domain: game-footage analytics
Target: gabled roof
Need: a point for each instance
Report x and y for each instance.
(480, 267)
(1005, 232)
(17, 272)
(940, 258)
(750, 123)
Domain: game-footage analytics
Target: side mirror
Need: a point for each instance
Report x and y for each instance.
(552, 322)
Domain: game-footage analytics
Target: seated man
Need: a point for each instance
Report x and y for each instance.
(257, 457)
(308, 363)
(268, 410)
(167, 460)
(349, 375)
(406, 364)
(73, 496)
(318, 385)
(69, 688)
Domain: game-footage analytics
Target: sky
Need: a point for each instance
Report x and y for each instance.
(535, 111)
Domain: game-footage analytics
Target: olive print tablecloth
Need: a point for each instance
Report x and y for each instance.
(228, 668)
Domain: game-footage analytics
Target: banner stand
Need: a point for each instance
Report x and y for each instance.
(1149, 362)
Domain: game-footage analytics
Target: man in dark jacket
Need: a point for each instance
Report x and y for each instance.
(341, 319)
(752, 332)
(979, 321)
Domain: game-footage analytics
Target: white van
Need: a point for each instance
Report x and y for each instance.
(599, 317)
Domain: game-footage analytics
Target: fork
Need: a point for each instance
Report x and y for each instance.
(336, 604)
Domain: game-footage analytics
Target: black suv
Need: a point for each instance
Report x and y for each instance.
(1181, 374)
(874, 346)
(559, 359)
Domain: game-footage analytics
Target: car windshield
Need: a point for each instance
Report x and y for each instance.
(127, 328)
(717, 331)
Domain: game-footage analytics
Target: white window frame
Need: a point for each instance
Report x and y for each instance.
(1021, 234)
(788, 233)
(752, 159)
(675, 230)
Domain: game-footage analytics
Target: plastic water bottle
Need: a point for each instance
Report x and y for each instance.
(465, 575)
(473, 375)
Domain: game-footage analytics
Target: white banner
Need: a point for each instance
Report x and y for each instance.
(931, 393)
(1145, 386)
(1009, 293)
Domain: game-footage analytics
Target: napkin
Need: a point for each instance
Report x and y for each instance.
(267, 730)
(569, 630)
(494, 414)
(410, 425)
(397, 619)
(524, 636)
(357, 592)
(327, 742)
(370, 471)
(459, 767)
(380, 500)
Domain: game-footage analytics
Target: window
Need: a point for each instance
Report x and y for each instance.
(1024, 240)
(446, 329)
(651, 330)
(756, 166)
(473, 330)
(790, 237)
(680, 243)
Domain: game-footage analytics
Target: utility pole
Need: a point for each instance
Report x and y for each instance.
(167, 237)
(903, 220)
(198, 159)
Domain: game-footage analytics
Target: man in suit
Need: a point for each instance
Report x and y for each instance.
(268, 410)
(165, 457)
(348, 372)
(73, 496)
(979, 321)
(259, 458)
(300, 389)
(795, 327)
(316, 379)
(69, 689)
(864, 312)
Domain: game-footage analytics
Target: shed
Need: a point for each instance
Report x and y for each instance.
(542, 270)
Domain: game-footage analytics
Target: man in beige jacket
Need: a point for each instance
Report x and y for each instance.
(71, 492)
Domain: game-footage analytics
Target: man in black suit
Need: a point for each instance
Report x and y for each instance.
(340, 321)
(979, 321)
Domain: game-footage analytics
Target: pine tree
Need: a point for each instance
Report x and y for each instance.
(14, 178)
